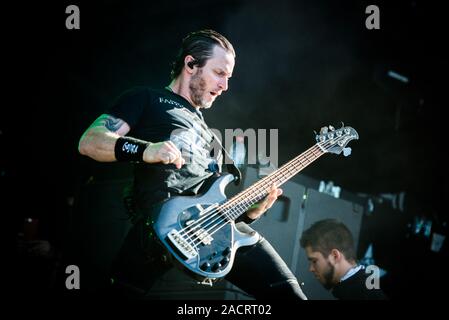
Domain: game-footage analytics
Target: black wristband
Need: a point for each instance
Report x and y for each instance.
(129, 149)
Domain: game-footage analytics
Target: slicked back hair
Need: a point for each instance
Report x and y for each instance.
(200, 45)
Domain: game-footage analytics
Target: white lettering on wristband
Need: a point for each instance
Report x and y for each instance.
(130, 148)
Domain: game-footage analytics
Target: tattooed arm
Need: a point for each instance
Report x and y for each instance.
(98, 142)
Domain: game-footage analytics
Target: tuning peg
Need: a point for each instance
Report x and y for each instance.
(323, 130)
(347, 151)
(331, 128)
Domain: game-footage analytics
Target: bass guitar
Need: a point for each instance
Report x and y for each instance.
(200, 231)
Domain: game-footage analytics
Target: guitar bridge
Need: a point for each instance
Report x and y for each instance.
(182, 245)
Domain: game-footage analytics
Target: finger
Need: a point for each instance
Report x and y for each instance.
(171, 157)
(272, 196)
(173, 147)
(266, 203)
(171, 144)
(175, 154)
(280, 191)
(165, 158)
(273, 193)
(269, 203)
(175, 158)
(274, 189)
(170, 147)
(179, 162)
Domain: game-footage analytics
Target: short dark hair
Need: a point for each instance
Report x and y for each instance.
(328, 234)
(200, 45)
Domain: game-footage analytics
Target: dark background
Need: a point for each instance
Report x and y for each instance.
(300, 65)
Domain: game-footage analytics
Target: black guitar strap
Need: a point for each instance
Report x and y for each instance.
(230, 164)
(231, 167)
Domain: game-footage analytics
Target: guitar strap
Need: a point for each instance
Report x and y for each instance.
(230, 164)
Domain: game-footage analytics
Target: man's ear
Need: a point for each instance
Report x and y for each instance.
(335, 256)
(189, 63)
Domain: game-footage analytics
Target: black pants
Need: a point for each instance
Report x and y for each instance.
(257, 269)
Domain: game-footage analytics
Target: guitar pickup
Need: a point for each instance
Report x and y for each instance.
(204, 236)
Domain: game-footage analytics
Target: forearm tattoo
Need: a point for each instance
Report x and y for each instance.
(113, 124)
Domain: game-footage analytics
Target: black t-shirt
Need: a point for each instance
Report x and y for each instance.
(161, 115)
(355, 288)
